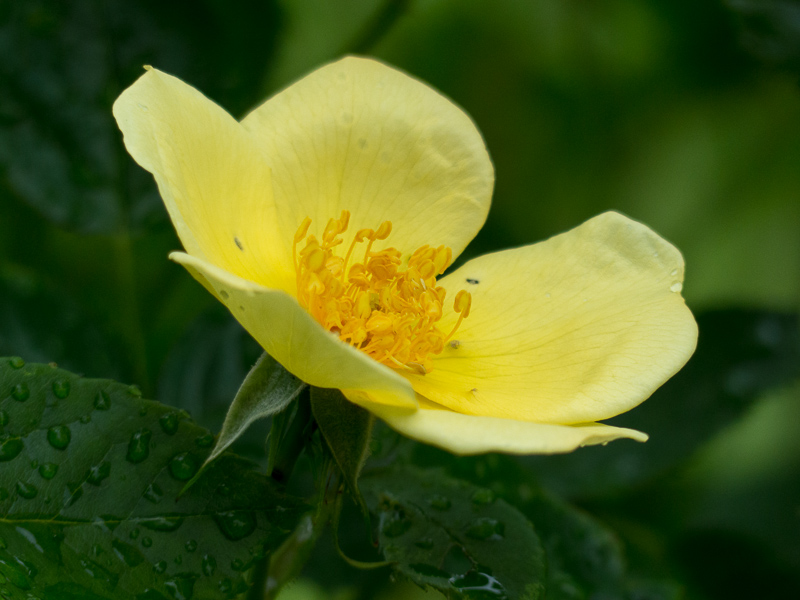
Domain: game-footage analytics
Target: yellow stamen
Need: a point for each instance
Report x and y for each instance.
(387, 312)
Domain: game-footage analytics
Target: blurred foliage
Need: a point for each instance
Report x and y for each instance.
(682, 114)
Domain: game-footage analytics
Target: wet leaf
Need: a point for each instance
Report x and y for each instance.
(89, 477)
(439, 536)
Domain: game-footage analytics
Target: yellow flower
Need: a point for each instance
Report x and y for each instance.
(323, 219)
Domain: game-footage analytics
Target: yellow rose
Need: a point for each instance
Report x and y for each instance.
(323, 219)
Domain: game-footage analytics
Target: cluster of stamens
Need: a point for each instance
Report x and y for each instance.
(375, 305)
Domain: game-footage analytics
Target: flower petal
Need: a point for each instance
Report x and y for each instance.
(469, 434)
(214, 182)
(578, 328)
(289, 334)
(361, 136)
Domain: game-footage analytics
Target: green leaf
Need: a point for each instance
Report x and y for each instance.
(584, 558)
(267, 389)
(740, 355)
(61, 151)
(88, 485)
(449, 535)
(347, 429)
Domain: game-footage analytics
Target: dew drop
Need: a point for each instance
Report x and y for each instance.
(59, 436)
(16, 362)
(99, 573)
(18, 571)
(190, 546)
(439, 502)
(169, 423)
(162, 523)
(479, 586)
(26, 490)
(61, 388)
(153, 493)
(160, 567)
(20, 392)
(99, 472)
(102, 401)
(4, 418)
(486, 529)
(225, 585)
(127, 553)
(183, 466)
(48, 470)
(483, 496)
(134, 533)
(180, 588)
(86, 419)
(674, 272)
(10, 447)
(134, 390)
(676, 287)
(547, 295)
(205, 441)
(147, 542)
(178, 560)
(139, 446)
(237, 564)
(209, 565)
(236, 524)
(394, 525)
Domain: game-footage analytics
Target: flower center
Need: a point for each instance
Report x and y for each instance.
(375, 305)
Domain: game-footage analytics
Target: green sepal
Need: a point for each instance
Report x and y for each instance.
(266, 390)
(347, 429)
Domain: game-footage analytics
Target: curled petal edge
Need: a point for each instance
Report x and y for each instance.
(292, 337)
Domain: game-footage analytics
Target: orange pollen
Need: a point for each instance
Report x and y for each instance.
(384, 310)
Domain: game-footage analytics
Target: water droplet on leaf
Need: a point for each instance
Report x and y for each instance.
(99, 472)
(139, 446)
(147, 542)
(153, 493)
(236, 524)
(169, 423)
(183, 466)
(16, 362)
(191, 546)
(479, 586)
(48, 470)
(180, 588)
(102, 401)
(26, 490)
(209, 565)
(205, 441)
(61, 388)
(160, 567)
(162, 523)
(59, 436)
(20, 392)
(486, 529)
(482, 497)
(134, 390)
(127, 553)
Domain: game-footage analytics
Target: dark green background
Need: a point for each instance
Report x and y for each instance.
(684, 114)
